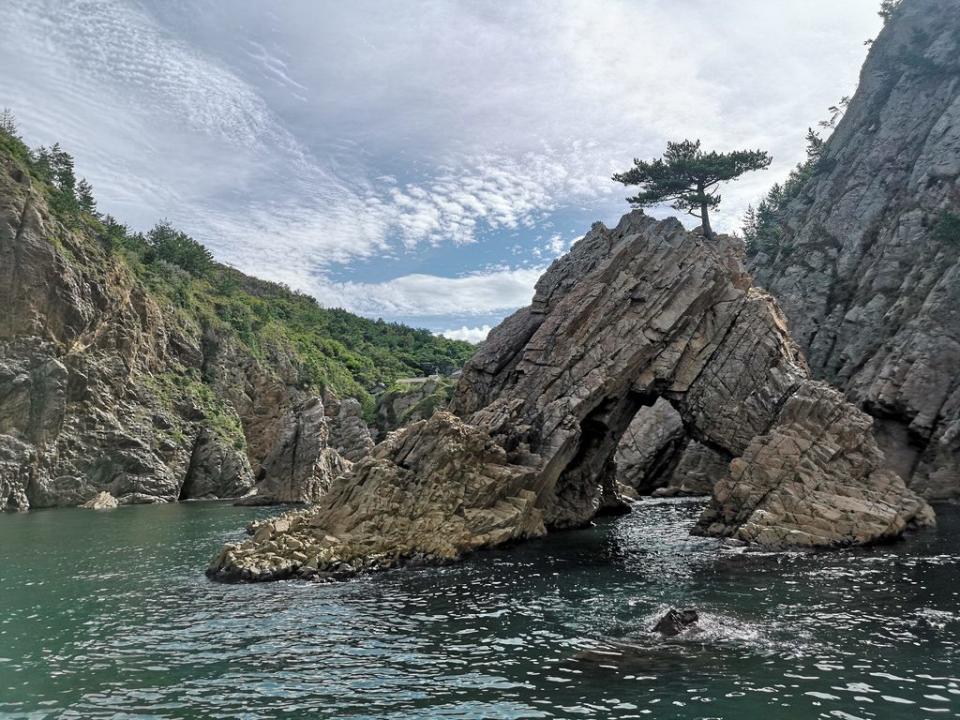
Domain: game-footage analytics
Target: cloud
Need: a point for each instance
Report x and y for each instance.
(469, 334)
(298, 138)
(421, 295)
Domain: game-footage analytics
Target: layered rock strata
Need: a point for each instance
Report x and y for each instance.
(657, 457)
(103, 389)
(644, 311)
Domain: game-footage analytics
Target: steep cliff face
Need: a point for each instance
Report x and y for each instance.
(867, 269)
(633, 314)
(106, 385)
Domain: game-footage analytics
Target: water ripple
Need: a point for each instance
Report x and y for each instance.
(108, 615)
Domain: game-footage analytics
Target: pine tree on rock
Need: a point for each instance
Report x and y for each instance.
(688, 177)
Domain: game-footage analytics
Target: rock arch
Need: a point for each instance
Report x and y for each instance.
(642, 311)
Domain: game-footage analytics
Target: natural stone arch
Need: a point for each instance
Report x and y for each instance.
(630, 315)
(645, 310)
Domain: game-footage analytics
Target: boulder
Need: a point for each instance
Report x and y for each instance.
(103, 501)
(674, 622)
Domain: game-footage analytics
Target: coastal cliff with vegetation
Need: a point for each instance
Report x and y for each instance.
(862, 245)
(134, 364)
(646, 343)
(691, 472)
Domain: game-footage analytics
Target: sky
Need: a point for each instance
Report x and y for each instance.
(417, 161)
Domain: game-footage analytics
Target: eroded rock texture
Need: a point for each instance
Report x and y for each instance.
(349, 433)
(644, 311)
(657, 457)
(868, 268)
(103, 390)
(410, 400)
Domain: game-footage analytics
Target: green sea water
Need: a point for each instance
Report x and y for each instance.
(109, 615)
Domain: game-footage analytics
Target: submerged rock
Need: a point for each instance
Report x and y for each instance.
(674, 622)
(644, 311)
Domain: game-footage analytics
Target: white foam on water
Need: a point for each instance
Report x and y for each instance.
(822, 695)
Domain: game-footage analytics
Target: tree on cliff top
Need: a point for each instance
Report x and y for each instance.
(688, 177)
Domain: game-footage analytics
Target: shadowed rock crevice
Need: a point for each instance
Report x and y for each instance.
(578, 495)
(642, 311)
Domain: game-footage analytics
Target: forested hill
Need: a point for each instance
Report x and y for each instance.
(334, 349)
(133, 363)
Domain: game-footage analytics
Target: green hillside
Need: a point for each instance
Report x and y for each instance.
(332, 348)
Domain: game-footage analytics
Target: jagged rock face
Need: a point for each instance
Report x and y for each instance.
(301, 465)
(101, 392)
(630, 315)
(76, 333)
(410, 400)
(215, 471)
(657, 457)
(431, 491)
(650, 447)
(870, 286)
(698, 469)
(349, 434)
(815, 479)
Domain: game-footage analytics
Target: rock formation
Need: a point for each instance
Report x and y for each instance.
(868, 266)
(301, 465)
(657, 457)
(410, 400)
(644, 311)
(349, 434)
(103, 501)
(105, 389)
(675, 622)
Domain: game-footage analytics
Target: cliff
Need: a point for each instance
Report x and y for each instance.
(865, 259)
(122, 371)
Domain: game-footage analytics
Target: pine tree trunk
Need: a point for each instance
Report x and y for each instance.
(705, 219)
(704, 211)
